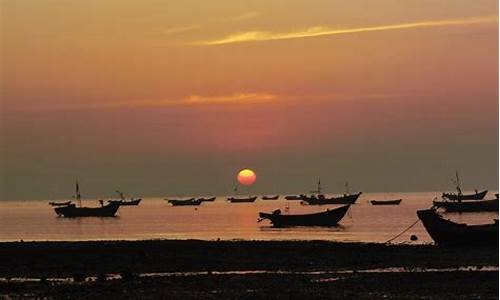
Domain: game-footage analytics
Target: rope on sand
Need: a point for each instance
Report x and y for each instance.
(401, 233)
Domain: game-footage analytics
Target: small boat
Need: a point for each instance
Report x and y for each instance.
(330, 217)
(386, 202)
(192, 202)
(270, 197)
(211, 199)
(126, 202)
(468, 206)
(72, 211)
(60, 203)
(242, 200)
(446, 232)
(322, 200)
(294, 197)
(459, 196)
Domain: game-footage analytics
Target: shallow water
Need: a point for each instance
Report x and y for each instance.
(155, 219)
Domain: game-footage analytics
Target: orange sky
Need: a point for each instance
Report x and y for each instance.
(91, 87)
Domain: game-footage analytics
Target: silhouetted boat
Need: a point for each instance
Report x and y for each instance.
(124, 202)
(446, 232)
(294, 197)
(72, 211)
(192, 202)
(211, 199)
(468, 206)
(241, 200)
(322, 200)
(386, 202)
(330, 217)
(270, 197)
(60, 203)
(459, 197)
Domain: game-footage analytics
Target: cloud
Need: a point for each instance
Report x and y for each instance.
(234, 98)
(256, 36)
(243, 17)
(175, 30)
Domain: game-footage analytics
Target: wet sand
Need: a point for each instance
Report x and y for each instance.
(131, 259)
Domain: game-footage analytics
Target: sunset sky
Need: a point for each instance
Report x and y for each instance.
(162, 97)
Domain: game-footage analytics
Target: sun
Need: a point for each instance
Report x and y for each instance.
(246, 177)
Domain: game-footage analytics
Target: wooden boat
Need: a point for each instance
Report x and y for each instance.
(242, 200)
(270, 197)
(126, 202)
(330, 217)
(459, 197)
(294, 197)
(386, 202)
(322, 200)
(446, 232)
(71, 211)
(467, 206)
(60, 203)
(211, 199)
(192, 202)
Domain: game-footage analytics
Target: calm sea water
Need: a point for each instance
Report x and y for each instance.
(155, 219)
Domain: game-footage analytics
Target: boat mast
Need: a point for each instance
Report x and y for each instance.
(78, 196)
(457, 183)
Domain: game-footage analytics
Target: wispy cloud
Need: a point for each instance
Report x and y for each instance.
(256, 36)
(243, 17)
(234, 98)
(175, 30)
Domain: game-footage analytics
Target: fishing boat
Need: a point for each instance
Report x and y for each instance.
(459, 196)
(330, 217)
(124, 202)
(187, 202)
(446, 232)
(270, 197)
(242, 199)
(468, 206)
(211, 199)
(60, 203)
(386, 202)
(322, 200)
(72, 211)
(294, 197)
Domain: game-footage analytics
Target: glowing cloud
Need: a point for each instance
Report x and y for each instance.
(255, 36)
(235, 98)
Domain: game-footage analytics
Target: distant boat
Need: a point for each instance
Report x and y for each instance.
(270, 197)
(242, 200)
(72, 211)
(468, 206)
(126, 202)
(446, 232)
(330, 217)
(386, 202)
(322, 200)
(459, 196)
(60, 203)
(294, 197)
(192, 202)
(211, 199)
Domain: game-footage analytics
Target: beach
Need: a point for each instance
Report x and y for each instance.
(189, 269)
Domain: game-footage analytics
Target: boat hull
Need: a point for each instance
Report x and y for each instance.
(468, 206)
(386, 202)
(476, 196)
(241, 200)
(270, 198)
(211, 199)
(71, 211)
(126, 202)
(346, 199)
(189, 202)
(446, 232)
(293, 197)
(330, 217)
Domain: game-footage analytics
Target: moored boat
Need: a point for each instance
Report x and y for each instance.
(270, 197)
(294, 197)
(322, 200)
(130, 202)
(386, 202)
(468, 206)
(60, 203)
(242, 199)
(211, 199)
(187, 202)
(330, 217)
(446, 232)
(459, 197)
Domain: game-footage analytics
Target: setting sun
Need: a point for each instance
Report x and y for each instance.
(246, 177)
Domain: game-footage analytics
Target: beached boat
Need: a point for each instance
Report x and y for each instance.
(60, 203)
(459, 197)
(126, 202)
(270, 197)
(242, 200)
(446, 232)
(322, 200)
(187, 202)
(386, 202)
(330, 217)
(468, 206)
(294, 197)
(211, 199)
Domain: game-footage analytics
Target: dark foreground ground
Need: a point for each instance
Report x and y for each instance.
(130, 259)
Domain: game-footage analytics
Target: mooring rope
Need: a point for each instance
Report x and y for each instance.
(401, 233)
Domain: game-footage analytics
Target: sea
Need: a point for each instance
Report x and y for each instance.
(154, 218)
